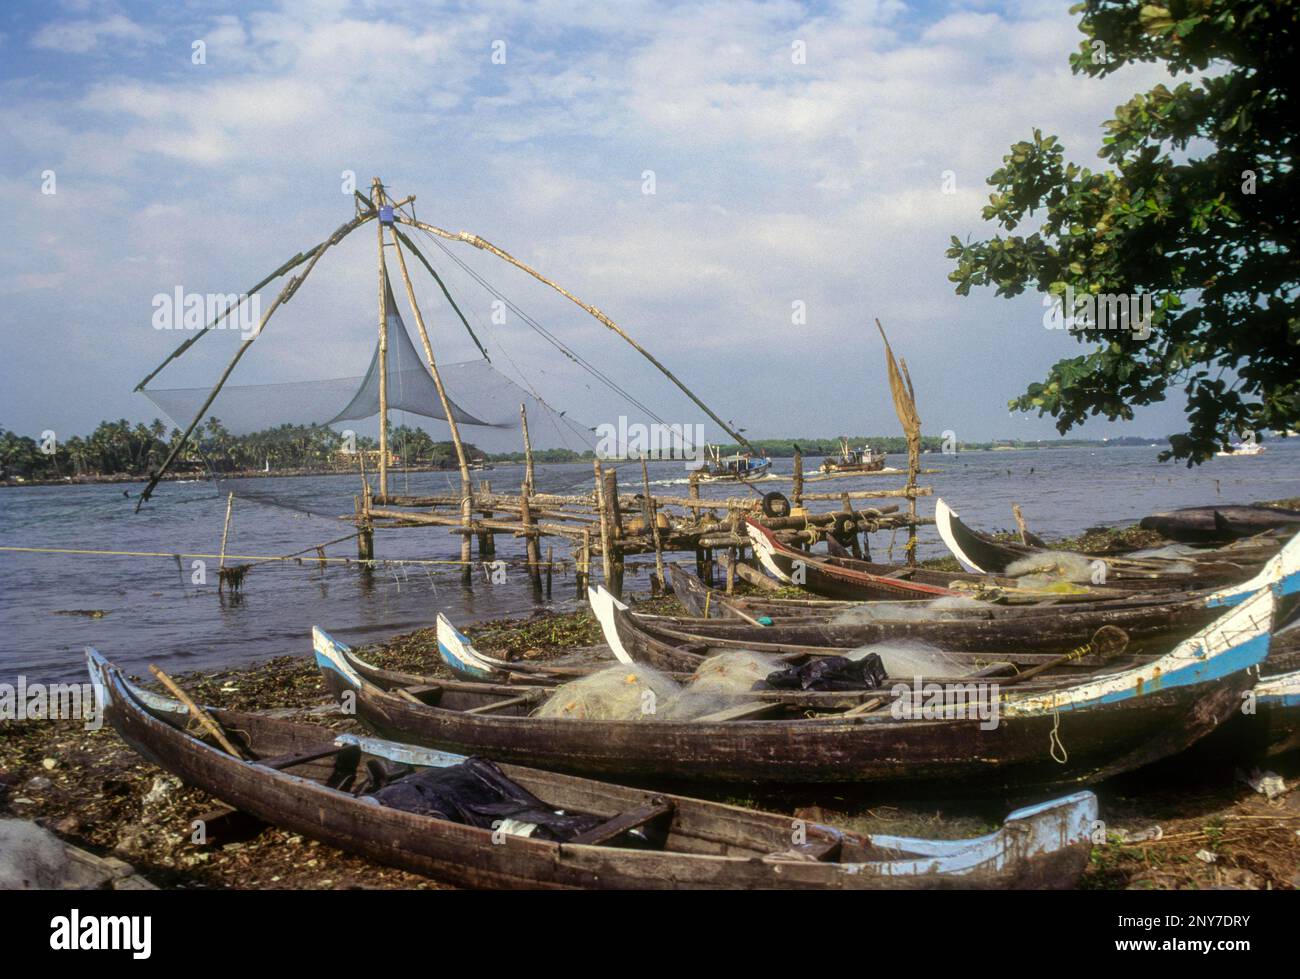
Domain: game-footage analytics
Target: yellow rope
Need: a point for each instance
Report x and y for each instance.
(234, 557)
(1054, 740)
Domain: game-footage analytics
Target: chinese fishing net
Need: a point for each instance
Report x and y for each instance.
(296, 426)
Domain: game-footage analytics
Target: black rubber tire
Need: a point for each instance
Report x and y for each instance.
(775, 505)
(844, 529)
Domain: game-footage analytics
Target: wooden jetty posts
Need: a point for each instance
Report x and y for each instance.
(612, 524)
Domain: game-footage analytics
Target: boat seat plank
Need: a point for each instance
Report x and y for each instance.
(818, 851)
(624, 821)
(326, 749)
(528, 698)
(739, 712)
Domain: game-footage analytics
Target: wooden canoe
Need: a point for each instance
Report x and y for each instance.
(997, 741)
(1022, 635)
(1220, 523)
(679, 644)
(980, 554)
(1268, 722)
(851, 579)
(1147, 620)
(683, 843)
(703, 601)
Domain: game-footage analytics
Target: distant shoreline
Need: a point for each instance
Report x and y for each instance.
(94, 479)
(91, 479)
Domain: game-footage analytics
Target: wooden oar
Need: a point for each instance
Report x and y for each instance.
(1106, 643)
(198, 713)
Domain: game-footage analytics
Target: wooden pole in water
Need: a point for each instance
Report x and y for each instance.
(377, 198)
(796, 491)
(615, 529)
(532, 547)
(550, 566)
(365, 533)
(602, 508)
(584, 565)
(528, 449)
(466, 487)
(652, 517)
(225, 529)
(487, 546)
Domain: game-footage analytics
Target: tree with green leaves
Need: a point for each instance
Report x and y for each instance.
(1195, 208)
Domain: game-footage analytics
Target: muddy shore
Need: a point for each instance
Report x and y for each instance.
(1181, 824)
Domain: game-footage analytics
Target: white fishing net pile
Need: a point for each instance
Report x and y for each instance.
(947, 607)
(1048, 567)
(619, 693)
(1168, 552)
(904, 659)
(639, 693)
(720, 681)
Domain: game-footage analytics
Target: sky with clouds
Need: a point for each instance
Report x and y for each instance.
(777, 180)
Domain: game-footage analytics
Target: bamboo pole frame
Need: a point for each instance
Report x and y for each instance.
(377, 198)
(652, 517)
(528, 450)
(285, 295)
(505, 256)
(466, 486)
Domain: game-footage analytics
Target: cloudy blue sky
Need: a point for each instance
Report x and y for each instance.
(775, 182)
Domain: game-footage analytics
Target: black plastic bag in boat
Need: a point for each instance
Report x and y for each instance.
(829, 673)
(477, 793)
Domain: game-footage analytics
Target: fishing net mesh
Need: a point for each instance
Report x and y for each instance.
(639, 693)
(720, 681)
(484, 402)
(907, 658)
(947, 607)
(619, 693)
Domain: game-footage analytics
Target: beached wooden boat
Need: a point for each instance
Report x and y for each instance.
(851, 579)
(829, 576)
(1209, 524)
(1274, 727)
(1268, 724)
(679, 644)
(979, 554)
(996, 739)
(705, 602)
(1024, 636)
(638, 839)
(674, 642)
